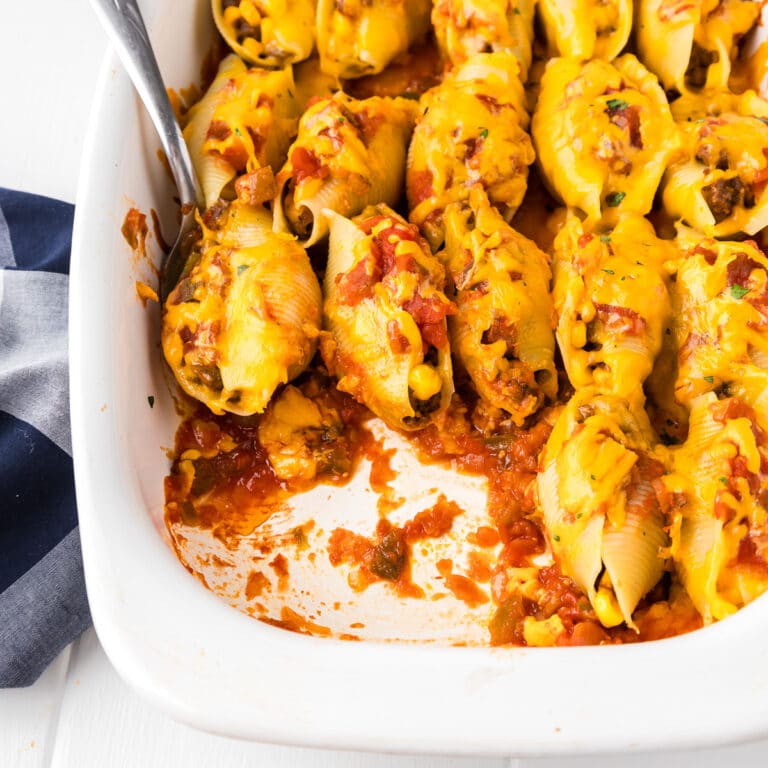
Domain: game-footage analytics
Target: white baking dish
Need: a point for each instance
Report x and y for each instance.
(215, 668)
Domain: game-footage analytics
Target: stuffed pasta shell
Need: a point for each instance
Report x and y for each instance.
(600, 509)
(471, 131)
(243, 123)
(385, 312)
(503, 329)
(719, 185)
(466, 27)
(268, 33)
(360, 37)
(603, 134)
(312, 83)
(235, 225)
(243, 321)
(612, 303)
(348, 154)
(721, 314)
(690, 45)
(586, 29)
(717, 497)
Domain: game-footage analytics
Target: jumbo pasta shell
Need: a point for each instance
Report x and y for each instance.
(348, 154)
(604, 527)
(375, 346)
(632, 552)
(664, 42)
(613, 304)
(471, 131)
(244, 321)
(700, 561)
(719, 186)
(718, 478)
(690, 45)
(361, 39)
(718, 324)
(303, 218)
(466, 27)
(243, 122)
(270, 33)
(244, 226)
(603, 134)
(585, 29)
(212, 170)
(503, 329)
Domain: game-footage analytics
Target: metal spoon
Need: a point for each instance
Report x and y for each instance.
(125, 27)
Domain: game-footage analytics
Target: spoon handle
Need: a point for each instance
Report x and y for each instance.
(125, 27)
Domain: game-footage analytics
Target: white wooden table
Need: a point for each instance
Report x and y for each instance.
(80, 714)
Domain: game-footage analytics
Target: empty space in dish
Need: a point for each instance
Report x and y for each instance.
(281, 571)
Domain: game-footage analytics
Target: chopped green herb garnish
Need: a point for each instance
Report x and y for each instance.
(483, 133)
(605, 238)
(579, 515)
(241, 268)
(516, 11)
(723, 480)
(556, 537)
(592, 477)
(616, 104)
(237, 132)
(738, 291)
(709, 379)
(609, 271)
(615, 199)
(151, 400)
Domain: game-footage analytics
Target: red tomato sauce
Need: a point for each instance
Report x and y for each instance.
(233, 491)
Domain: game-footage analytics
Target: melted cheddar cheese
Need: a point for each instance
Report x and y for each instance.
(601, 511)
(600, 366)
(360, 37)
(502, 332)
(269, 33)
(385, 310)
(243, 321)
(243, 123)
(612, 302)
(471, 130)
(348, 154)
(719, 183)
(603, 134)
(717, 490)
(720, 300)
(466, 27)
(691, 45)
(586, 29)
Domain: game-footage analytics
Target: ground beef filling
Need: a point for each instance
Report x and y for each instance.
(723, 195)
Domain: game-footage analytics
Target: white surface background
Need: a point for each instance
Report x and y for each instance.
(80, 714)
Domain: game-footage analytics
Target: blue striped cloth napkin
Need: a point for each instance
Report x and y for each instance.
(43, 606)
